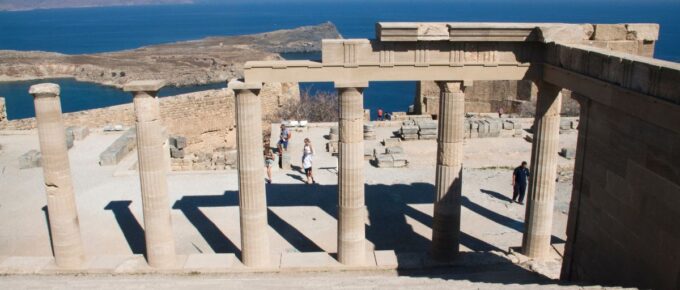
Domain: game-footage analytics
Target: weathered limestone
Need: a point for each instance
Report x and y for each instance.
(352, 208)
(160, 243)
(446, 220)
(61, 204)
(252, 195)
(541, 195)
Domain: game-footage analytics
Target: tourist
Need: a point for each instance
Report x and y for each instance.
(500, 112)
(519, 182)
(380, 114)
(268, 161)
(284, 137)
(307, 153)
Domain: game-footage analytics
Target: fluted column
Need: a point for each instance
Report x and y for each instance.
(352, 209)
(160, 242)
(252, 195)
(61, 204)
(446, 220)
(541, 196)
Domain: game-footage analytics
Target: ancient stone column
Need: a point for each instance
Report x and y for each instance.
(251, 190)
(541, 195)
(446, 220)
(61, 204)
(160, 242)
(352, 208)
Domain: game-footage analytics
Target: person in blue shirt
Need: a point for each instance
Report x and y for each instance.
(519, 182)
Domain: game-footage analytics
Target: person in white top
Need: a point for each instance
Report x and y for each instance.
(307, 153)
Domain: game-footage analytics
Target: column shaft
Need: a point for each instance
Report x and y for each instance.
(352, 209)
(61, 205)
(446, 220)
(252, 195)
(541, 195)
(160, 242)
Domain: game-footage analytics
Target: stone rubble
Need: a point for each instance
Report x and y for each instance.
(119, 148)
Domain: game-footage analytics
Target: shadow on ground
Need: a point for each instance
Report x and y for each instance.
(388, 208)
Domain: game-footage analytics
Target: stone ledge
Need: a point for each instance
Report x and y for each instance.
(229, 263)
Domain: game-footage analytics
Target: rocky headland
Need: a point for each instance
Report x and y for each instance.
(208, 60)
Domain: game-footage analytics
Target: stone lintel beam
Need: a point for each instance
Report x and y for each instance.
(351, 201)
(160, 240)
(449, 171)
(61, 204)
(252, 192)
(541, 195)
(144, 86)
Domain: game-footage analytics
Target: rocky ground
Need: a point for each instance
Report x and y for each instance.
(209, 60)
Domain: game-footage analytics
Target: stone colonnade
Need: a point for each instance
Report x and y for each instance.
(160, 244)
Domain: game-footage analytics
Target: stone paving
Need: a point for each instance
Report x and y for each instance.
(301, 217)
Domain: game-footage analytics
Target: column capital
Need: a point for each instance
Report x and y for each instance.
(347, 85)
(45, 89)
(237, 85)
(144, 86)
(451, 86)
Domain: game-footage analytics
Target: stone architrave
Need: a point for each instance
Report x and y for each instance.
(252, 195)
(160, 242)
(541, 195)
(61, 204)
(351, 202)
(446, 220)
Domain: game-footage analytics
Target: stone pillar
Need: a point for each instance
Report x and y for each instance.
(541, 195)
(160, 243)
(352, 208)
(446, 220)
(61, 204)
(252, 195)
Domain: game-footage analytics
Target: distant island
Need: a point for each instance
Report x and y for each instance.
(22, 5)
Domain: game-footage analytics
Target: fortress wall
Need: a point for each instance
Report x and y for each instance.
(623, 222)
(188, 114)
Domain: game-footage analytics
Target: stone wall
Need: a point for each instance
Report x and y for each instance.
(623, 221)
(187, 114)
(626, 228)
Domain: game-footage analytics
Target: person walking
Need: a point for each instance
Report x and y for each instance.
(519, 182)
(268, 161)
(307, 153)
(380, 114)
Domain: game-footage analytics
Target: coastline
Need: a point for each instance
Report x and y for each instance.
(186, 63)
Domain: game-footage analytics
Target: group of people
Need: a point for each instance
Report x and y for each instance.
(282, 145)
(520, 175)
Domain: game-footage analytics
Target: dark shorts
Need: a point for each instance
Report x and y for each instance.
(283, 144)
(308, 170)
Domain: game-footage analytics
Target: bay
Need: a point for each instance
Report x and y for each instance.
(91, 30)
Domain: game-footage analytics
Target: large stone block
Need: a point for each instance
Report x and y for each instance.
(119, 148)
(30, 159)
(643, 31)
(78, 132)
(610, 32)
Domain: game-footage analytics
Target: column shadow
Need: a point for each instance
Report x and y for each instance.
(132, 230)
(496, 195)
(49, 227)
(189, 205)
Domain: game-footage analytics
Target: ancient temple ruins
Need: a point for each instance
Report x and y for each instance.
(623, 217)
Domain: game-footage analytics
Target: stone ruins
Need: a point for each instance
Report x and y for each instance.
(622, 226)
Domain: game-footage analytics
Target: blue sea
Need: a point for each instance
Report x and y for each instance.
(91, 30)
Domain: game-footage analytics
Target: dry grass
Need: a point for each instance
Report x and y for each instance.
(320, 107)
